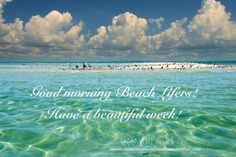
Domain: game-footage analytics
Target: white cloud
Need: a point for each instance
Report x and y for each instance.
(123, 33)
(126, 29)
(171, 37)
(211, 25)
(11, 33)
(127, 34)
(2, 3)
(54, 30)
(98, 40)
(158, 22)
(52, 33)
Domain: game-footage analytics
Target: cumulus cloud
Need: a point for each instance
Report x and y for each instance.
(211, 25)
(9, 32)
(123, 33)
(171, 37)
(128, 31)
(56, 34)
(98, 40)
(52, 31)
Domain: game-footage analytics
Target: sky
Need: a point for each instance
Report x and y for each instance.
(157, 30)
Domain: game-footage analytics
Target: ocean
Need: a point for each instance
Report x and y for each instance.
(206, 125)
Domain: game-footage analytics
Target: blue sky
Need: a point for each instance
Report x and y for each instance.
(97, 13)
(153, 29)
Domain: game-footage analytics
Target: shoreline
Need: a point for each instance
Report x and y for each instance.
(95, 67)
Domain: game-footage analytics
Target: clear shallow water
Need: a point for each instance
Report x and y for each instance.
(208, 122)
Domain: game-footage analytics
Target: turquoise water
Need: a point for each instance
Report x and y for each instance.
(206, 126)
